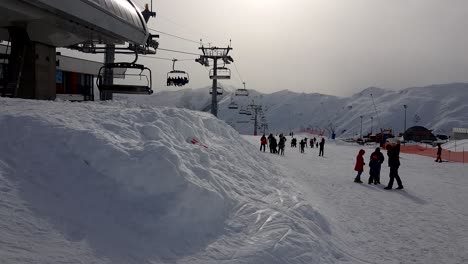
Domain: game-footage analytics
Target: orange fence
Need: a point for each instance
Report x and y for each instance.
(432, 152)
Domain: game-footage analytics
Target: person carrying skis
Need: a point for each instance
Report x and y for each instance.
(394, 164)
(378, 166)
(302, 145)
(439, 153)
(322, 145)
(359, 167)
(263, 143)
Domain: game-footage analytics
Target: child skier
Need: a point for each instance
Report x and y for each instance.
(374, 171)
(359, 167)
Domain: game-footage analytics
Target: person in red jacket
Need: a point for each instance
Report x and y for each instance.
(263, 143)
(359, 167)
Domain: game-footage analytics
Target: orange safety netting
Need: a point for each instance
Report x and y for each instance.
(432, 152)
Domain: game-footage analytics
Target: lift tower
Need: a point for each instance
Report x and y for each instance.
(215, 54)
(256, 111)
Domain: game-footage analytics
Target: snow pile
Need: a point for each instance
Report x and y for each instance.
(118, 183)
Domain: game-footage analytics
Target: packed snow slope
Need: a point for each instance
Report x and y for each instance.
(117, 183)
(437, 107)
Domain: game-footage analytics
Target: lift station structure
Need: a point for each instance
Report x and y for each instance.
(35, 28)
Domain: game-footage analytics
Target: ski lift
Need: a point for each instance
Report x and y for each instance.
(242, 122)
(219, 90)
(233, 105)
(177, 77)
(221, 73)
(131, 72)
(242, 92)
(242, 111)
(247, 112)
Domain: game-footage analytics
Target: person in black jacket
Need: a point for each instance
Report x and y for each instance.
(322, 146)
(439, 153)
(394, 163)
(375, 178)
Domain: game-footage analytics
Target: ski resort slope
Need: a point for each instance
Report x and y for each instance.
(116, 182)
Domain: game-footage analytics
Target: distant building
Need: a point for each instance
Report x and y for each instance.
(460, 133)
(418, 134)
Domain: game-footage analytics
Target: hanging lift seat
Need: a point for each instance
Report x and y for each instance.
(142, 87)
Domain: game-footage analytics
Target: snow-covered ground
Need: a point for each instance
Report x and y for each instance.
(116, 182)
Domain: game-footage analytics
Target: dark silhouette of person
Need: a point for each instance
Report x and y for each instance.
(376, 166)
(322, 145)
(439, 153)
(302, 145)
(281, 144)
(394, 163)
(270, 141)
(293, 143)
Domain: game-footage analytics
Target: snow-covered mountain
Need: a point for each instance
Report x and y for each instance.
(437, 107)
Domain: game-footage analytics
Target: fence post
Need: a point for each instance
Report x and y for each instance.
(463, 155)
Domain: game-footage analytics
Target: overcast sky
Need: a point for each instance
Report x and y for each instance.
(335, 47)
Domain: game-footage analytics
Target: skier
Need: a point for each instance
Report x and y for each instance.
(302, 145)
(263, 143)
(305, 141)
(380, 159)
(281, 144)
(359, 167)
(439, 153)
(394, 164)
(322, 145)
(311, 142)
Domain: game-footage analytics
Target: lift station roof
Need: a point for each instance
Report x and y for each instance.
(62, 23)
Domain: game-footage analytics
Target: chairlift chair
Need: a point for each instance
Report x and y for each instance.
(242, 92)
(222, 73)
(142, 87)
(233, 105)
(219, 90)
(177, 77)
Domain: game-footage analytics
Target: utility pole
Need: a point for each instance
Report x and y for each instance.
(215, 54)
(405, 106)
(361, 124)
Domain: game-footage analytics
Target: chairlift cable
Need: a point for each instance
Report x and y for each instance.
(178, 51)
(238, 74)
(175, 36)
(160, 58)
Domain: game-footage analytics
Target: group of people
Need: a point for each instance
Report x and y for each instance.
(375, 162)
(177, 81)
(277, 146)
